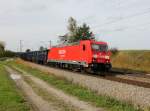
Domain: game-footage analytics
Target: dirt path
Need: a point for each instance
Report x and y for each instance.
(83, 106)
(37, 102)
(69, 101)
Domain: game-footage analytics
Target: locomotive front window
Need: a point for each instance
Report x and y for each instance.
(99, 47)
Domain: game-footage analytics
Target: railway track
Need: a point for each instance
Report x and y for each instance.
(133, 74)
(141, 80)
(132, 79)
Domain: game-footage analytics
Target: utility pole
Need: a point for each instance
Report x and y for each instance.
(50, 44)
(20, 45)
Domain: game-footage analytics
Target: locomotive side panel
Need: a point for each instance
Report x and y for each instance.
(76, 54)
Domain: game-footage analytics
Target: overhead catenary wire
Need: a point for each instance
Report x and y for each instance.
(120, 29)
(117, 4)
(121, 19)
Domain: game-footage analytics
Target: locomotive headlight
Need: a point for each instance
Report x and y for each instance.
(107, 57)
(95, 56)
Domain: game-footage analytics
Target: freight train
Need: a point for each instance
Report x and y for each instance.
(86, 55)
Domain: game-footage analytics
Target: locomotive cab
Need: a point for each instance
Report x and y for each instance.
(100, 56)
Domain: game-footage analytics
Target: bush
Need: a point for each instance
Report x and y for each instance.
(7, 53)
(114, 51)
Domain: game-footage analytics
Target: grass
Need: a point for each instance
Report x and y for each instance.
(132, 60)
(82, 93)
(10, 98)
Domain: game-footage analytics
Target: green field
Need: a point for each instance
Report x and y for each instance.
(132, 60)
(10, 98)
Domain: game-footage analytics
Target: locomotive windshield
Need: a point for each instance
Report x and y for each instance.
(99, 47)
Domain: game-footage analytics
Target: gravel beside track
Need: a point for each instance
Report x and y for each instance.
(136, 95)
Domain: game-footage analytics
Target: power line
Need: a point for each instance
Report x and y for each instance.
(86, 18)
(92, 16)
(125, 28)
(126, 4)
(50, 44)
(137, 26)
(121, 18)
(117, 3)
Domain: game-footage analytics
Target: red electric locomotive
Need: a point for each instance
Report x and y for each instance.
(88, 55)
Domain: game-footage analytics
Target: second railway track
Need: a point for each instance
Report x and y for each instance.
(133, 79)
(141, 80)
(129, 81)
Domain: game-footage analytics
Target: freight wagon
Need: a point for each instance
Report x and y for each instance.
(39, 57)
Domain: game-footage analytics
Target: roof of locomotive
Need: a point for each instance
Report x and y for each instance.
(77, 43)
(97, 42)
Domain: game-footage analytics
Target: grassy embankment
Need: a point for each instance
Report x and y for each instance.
(10, 98)
(132, 61)
(84, 94)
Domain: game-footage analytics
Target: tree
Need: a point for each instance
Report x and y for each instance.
(72, 26)
(76, 33)
(2, 46)
(28, 50)
(5, 53)
(82, 33)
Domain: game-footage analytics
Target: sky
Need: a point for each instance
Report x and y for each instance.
(124, 24)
